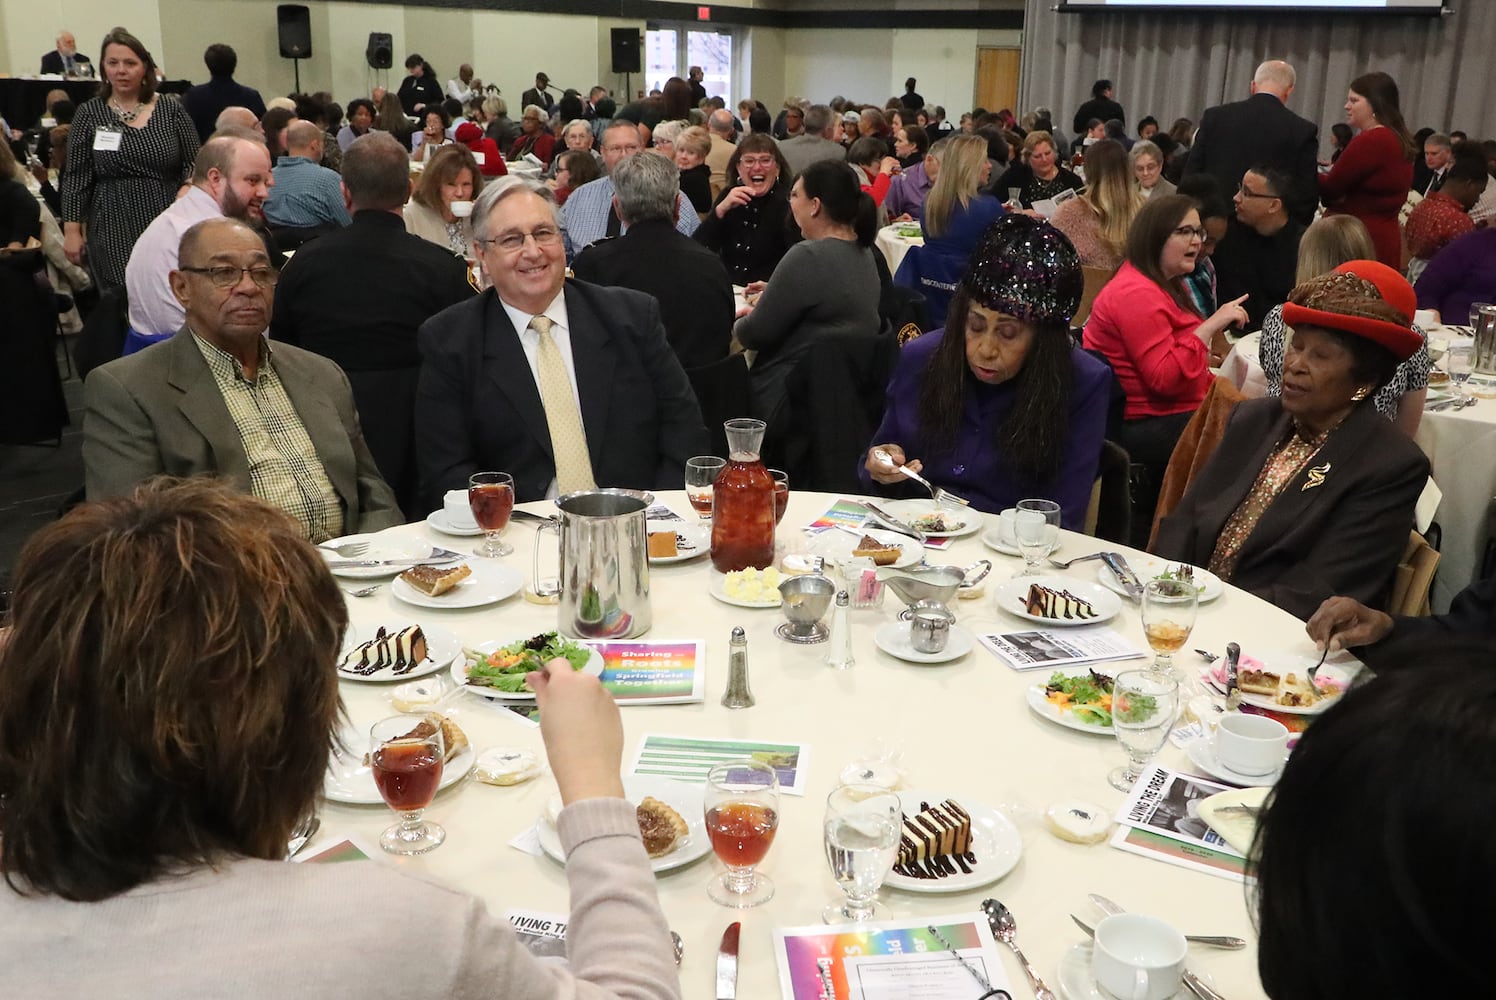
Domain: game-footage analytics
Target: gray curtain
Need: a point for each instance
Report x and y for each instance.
(1177, 65)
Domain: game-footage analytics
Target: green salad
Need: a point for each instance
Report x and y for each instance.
(505, 668)
(1087, 697)
(1170, 573)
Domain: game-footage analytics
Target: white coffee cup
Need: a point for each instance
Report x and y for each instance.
(1425, 318)
(1250, 744)
(461, 209)
(1006, 522)
(459, 514)
(1136, 957)
(479, 156)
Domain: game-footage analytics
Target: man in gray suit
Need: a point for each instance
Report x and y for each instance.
(217, 399)
(816, 143)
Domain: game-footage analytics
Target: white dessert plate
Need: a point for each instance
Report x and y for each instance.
(1299, 663)
(437, 521)
(1012, 598)
(907, 510)
(1202, 754)
(381, 546)
(1046, 709)
(893, 639)
(683, 798)
(994, 841)
(594, 666)
(691, 541)
(489, 582)
(1007, 548)
(1148, 567)
(836, 545)
(718, 589)
(349, 780)
(1077, 983)
(442, 646)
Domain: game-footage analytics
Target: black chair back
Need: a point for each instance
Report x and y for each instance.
(102, 338)
(835, 399)
(722, 392)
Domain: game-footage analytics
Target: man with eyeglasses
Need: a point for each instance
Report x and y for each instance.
(564, 385)
(217, 399)
(1259, 256)
(231, 178)
(589, 215)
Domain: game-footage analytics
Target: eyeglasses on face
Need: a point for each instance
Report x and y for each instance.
(545, 236)
(756, 161)
(1247, 192)
(227, 277)
(1192, 233)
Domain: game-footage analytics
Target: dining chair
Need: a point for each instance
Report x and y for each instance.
(1415, 578)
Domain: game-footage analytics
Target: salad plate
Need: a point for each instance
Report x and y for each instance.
(994, 840)
(718, 589)
(1153, 568)
(442, 647)
(691, 541)
(490, 582)
(683, 798)
(959, 522)
(836, 545)
(1012, 597)
(349, 780)
(561, 646)
(1039, 700)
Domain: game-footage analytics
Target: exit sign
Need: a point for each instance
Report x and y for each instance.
(703, 13)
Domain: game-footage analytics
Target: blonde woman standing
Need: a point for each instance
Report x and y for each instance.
(956, 212)
(1097, 221)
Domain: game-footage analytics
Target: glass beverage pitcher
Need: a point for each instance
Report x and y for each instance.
(743, 502)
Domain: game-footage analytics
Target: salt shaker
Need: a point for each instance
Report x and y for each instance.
(839, 649)
(737, 694)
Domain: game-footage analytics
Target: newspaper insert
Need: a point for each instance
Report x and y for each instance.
(1037, 649)
(1167, 803)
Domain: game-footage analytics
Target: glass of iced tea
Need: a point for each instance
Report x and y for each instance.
(781, 493)
(742, 813)
(405, 754)
(491, 497)
(1169, 608)
(701, 474)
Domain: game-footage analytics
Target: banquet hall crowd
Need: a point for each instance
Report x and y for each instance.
(341, 312)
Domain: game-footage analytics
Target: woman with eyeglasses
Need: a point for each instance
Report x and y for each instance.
(534, 137)
(1147, 327)
(750, 226)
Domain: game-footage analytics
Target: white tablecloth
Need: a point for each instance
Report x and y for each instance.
(894, 247)
(963, 727)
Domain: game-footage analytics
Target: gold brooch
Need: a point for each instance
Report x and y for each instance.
(1316, 477)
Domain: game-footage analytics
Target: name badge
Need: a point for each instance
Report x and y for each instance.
(108, 139)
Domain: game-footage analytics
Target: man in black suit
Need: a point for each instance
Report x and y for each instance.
(1260, 130)
(359, 295)
(1101, 107)
(66, 60)
(206, 101)
(562, 384)
(538, 95)
(685, 278)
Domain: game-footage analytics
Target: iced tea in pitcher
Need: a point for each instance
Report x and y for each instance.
(743, 502)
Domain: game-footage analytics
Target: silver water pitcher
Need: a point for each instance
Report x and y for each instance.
(1485, 340)
(604, 564)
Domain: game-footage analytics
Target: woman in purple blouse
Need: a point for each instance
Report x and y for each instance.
(1000, 405)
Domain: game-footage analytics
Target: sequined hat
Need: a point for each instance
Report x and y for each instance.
(1026, 268)
(1360, 297)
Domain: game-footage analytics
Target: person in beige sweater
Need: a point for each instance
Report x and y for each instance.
(142, 848)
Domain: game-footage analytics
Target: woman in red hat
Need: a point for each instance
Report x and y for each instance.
(490, 162)
(1311, 493)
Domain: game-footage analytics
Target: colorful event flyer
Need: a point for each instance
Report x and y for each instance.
(656, 672)
(896, 960)
(687, 758)
(853, 516)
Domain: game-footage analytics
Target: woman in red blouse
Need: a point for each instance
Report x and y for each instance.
(1145, 324)
(1373, 175)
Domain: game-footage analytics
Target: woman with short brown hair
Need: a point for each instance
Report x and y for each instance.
(451, 174)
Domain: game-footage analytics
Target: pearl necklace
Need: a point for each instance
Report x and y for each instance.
(125, 116)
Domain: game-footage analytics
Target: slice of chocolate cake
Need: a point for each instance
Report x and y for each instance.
(936, 842)
(401, 652)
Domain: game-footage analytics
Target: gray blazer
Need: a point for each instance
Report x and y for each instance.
(159, 412)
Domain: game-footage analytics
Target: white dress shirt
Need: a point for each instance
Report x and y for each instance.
(153, 308)
(529, 341)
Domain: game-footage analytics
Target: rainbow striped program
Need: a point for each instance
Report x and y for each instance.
(936, 842)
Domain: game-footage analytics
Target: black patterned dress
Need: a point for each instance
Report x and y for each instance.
(117, 193)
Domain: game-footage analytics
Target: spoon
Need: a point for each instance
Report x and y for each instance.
(362, 591)
(679, 946)
(1005, 929)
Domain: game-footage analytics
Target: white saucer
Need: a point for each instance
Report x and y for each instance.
(893, 639)
(437, 521)
(992, 541)
(489, 582)
(1077, 983)
(1011, 596)
(1202, 753)
(908, 510)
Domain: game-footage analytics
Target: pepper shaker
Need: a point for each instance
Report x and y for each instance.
(738, 694)
(839, 650)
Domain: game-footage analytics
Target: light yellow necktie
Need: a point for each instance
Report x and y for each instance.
(568, 439)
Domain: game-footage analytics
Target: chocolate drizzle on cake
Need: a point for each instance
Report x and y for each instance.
(936, 842)
(400, 652)
(1043, 602)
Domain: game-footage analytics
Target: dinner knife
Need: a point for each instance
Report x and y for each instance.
(727, 963)
(1233, 683)
(1125, 576)
(1195, 984)
(893, 523)
(437, 556)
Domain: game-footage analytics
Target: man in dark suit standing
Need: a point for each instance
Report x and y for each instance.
(66, 60)
(1261, 131)
(685, 278)
(564, 385)
(358, 296)
(206, 101)
(1102, 106)
(538, 95)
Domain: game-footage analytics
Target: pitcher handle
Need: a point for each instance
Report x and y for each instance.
(548, 590)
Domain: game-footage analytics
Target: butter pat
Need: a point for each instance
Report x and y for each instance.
(506, 766)
(1078, 822)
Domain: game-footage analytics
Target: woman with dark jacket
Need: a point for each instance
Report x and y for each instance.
(750, 225)
(1311, 494)
(420, 87)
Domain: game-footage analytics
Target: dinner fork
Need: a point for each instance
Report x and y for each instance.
(1057, 564)
(937, 494)
(347, 550)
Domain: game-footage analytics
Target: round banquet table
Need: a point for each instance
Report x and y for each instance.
(894, 245)
(964, 729)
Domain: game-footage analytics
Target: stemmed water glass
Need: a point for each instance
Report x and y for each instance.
(862, 840)
(1144, 704)
(701, 474)
(405, 754)
(491, 497)
(1458, 361)
(1036, 529)
(1169, 608)
(742, 813)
